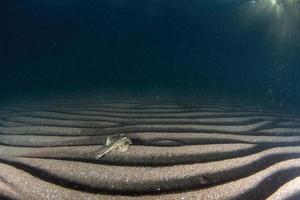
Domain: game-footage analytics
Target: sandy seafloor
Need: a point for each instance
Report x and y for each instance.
(196, 148)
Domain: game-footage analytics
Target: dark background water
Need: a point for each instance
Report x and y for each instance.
(194, 46)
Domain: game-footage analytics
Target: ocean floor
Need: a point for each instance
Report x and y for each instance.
(181, 149)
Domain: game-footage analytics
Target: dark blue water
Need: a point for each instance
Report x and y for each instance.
(191, 47)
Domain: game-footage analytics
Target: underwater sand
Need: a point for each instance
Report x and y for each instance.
(195, 149)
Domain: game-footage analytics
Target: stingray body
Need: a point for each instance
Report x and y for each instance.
(115, 142)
